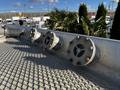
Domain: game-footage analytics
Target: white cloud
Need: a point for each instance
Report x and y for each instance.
(13, 11)
(36, 0)
(89, 7)
(43, 1)
(104, 3)
(31, 7)
(18, 4)
(52, 1)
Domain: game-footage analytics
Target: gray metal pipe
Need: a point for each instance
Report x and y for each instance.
(108, 51)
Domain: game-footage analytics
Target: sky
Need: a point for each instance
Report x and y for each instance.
(47, 5)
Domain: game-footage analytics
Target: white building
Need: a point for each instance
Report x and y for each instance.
(41, 21)
(36, 19)
(44, 18)
(15, 18)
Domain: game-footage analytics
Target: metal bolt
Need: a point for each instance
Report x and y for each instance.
(87, 38)
(87, 59)
(91, 47)
(78, 63)
(71, 60)
(50, 44)
(78, 37)
(71, 42)
(51, 32)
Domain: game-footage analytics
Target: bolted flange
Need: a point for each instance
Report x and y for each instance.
(50, 40)
(35, 35)
(81, 50)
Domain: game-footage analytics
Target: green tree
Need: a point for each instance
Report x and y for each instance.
(56, 19)
(84, 20)
(70, 22)
(83, 13)
(63, 21)
(115, 31)
(101, 12)
(84, 26)
(99, 27)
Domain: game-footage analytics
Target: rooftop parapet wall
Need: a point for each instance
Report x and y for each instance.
(107, 59)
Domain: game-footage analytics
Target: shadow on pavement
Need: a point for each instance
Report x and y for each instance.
(30, 49)
(53, 62)
(15, 43)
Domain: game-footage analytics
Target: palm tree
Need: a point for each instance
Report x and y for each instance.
(98, 29)
(62, 20)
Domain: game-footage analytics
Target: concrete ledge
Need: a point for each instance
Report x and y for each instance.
(107, 61)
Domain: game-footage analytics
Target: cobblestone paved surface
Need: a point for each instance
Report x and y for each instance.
(26, 68)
